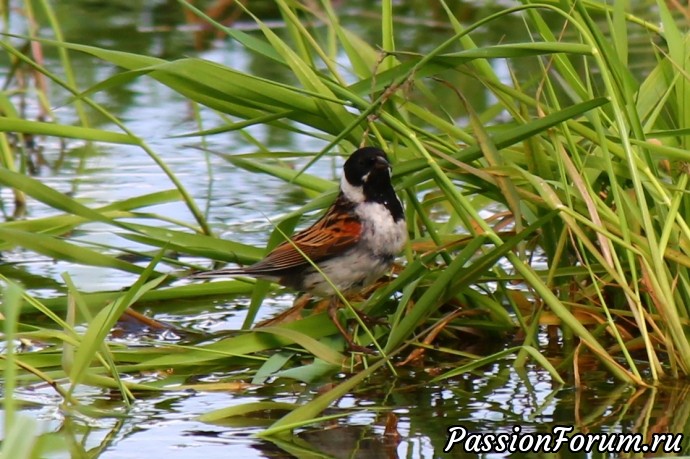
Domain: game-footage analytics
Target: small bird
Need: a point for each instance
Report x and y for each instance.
(353, 244)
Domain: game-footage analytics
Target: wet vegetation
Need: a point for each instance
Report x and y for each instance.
(547, 228)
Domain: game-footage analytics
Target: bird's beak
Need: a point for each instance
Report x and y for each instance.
(381, 163)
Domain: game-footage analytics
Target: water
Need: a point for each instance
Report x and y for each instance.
(491, 402)
(493, 399)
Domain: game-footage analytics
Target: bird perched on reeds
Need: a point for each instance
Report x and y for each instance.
(353, 244)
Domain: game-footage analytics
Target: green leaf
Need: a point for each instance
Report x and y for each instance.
(62, 250)
(245, 409)
(62, 130)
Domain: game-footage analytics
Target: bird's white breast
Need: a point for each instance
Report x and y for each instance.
(380, 232)
(381, 240)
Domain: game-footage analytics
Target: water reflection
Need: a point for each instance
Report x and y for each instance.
(165, 425)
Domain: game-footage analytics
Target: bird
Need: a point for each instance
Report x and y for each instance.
(353, 244)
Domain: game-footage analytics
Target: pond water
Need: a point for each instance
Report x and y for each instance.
(492, 399)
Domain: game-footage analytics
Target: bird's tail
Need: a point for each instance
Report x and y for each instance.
(225, 272)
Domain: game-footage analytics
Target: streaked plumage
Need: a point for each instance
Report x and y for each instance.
(354, 243)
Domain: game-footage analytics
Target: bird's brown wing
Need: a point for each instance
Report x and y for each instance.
(331, 235)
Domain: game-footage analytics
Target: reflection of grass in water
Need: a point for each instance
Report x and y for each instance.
(574, 169)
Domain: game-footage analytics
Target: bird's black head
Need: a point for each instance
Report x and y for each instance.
(366, 164)
(367, 178)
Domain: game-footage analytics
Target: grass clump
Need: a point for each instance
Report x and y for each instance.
(582, 164)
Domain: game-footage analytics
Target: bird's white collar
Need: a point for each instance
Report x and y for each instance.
(353, 193)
